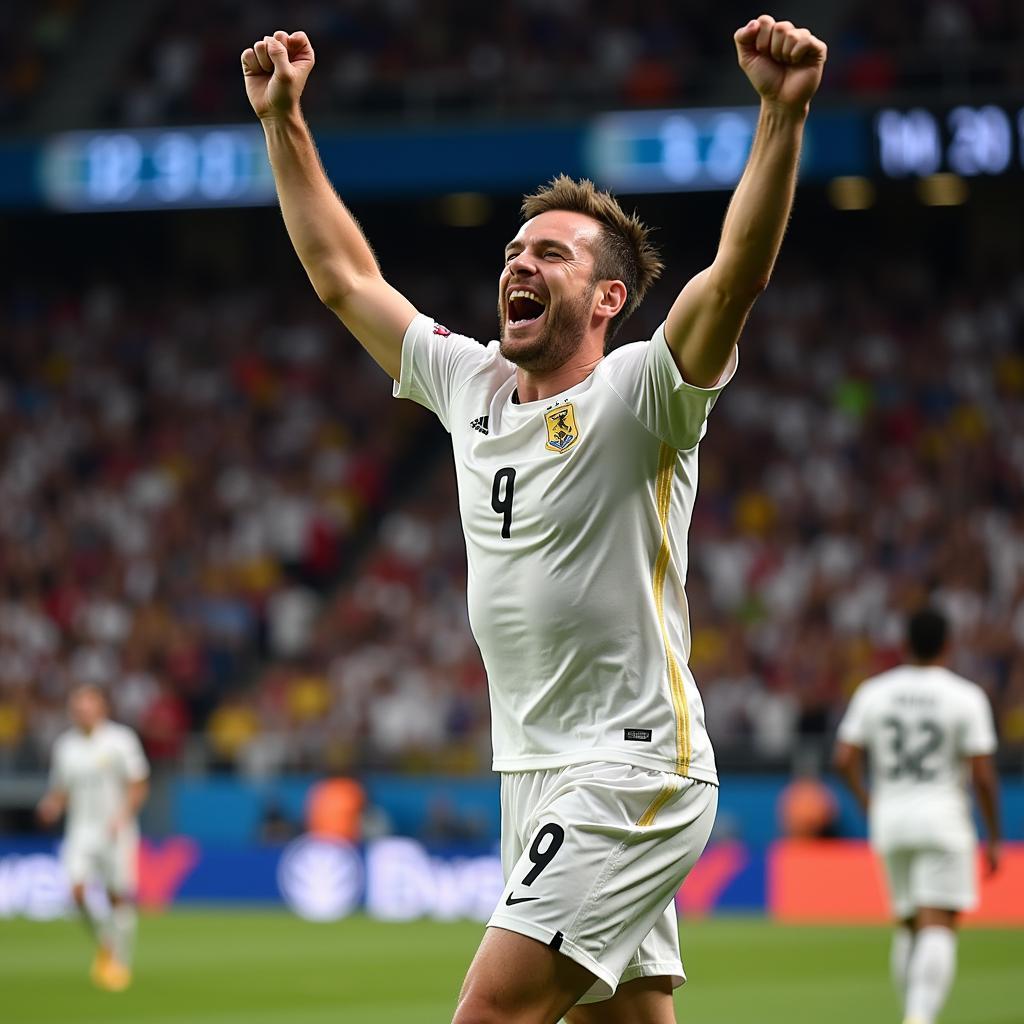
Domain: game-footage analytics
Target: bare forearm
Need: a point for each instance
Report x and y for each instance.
(988, 805)
(849, 764)
(138, 792)
(756, 220)
(325, 235)
(52, 806)
(855, 781)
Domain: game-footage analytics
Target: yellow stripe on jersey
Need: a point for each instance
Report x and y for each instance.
(677, 687)
(647, 818)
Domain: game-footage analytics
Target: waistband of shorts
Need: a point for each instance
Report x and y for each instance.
(601, 755)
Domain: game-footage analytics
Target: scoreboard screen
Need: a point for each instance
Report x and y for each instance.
(155, 168)
(970, 141)
(671, 150)
(685, 150)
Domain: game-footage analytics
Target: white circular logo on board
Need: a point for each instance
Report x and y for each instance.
(320, 879)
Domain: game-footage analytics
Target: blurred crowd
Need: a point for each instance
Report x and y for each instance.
(182, 475)
(43, 31)
(939, 47)
(867, 458)
(209, 503)
(422, 59)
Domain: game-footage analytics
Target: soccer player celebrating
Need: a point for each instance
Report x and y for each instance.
(926, 729)
(99, 777)
(577, 470)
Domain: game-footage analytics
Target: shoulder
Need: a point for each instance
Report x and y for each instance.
(628, 360)
(425, 332)
(969, 691)
(64, 742)
(868, 693)
(120, 734)
(438, 363)
(873, 684)
(630, 354)
(654, 360)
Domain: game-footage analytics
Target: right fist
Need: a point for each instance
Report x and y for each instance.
(275, 70)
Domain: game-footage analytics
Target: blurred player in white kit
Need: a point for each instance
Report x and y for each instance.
(99, 777)
(927, 730)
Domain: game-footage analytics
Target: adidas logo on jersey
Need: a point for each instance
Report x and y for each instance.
(480, 423)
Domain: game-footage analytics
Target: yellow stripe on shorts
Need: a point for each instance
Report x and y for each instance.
(647, 818)
(677, 687)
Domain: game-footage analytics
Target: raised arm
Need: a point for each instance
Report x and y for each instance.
(329, 242)
(784, 64)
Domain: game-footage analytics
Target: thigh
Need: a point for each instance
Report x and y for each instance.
(516, 978)
(120, 867)
(897, 874)
(610, 846)
(945, 880)
(82, 862)
(640, 1001)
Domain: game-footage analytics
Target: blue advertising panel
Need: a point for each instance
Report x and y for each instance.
(391, 879)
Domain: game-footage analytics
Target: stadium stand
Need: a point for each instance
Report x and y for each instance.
(422, 61)
(43, 32)
(886, 466)
(185, 477)
(943, 48)
(181, 481)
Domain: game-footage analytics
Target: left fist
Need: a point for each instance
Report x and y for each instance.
(784, 63)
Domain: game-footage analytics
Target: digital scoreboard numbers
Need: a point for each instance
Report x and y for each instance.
(971, 141)
(157, 168)
(696, 149)
(671, 150)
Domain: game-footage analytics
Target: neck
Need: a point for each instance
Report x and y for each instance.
(536, 386)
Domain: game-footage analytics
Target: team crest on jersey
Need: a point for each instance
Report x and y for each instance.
(562, 430)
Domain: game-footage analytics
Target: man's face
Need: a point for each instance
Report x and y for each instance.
(87, 707)
(546, 290)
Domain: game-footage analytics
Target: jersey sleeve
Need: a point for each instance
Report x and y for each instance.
(133, 758)
(853, 728)
(979, 735)
(436, 364)
(645, 376)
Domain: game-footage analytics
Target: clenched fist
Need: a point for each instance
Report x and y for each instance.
(275, 70)
(783, 63)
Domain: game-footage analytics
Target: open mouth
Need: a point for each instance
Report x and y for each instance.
(524, 307)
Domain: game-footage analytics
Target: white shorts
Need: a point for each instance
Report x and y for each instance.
(939, 879)
(113, 864)
(593, 855)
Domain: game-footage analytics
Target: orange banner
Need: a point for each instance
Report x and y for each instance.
(842, 880)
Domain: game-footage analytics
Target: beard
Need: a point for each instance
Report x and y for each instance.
(557, 341)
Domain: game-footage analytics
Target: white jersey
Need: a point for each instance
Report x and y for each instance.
(575, 510)
(95, 770)
(919, 725)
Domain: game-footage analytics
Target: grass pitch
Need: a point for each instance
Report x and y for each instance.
(221, 967)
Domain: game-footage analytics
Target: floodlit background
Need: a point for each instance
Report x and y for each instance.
(210, 504)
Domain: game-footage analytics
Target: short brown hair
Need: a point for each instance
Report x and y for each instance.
(624, 252)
